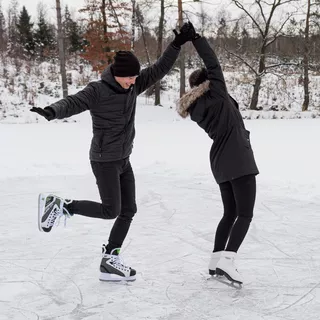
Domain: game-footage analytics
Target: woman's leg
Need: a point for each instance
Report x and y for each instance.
(229, 216)
(244, 190)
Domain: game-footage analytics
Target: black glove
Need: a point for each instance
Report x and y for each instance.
(47, 112)
(195, 35)
(186, 34)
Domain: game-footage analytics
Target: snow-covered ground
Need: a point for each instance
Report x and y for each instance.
(55, 276)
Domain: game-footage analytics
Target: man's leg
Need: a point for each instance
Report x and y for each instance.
(128, 208)
(108, 181)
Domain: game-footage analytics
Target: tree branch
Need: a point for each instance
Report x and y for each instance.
(261, 11)
(242, 60)
(281, 64)
(116, 17)
(240, 6)
(277, 33)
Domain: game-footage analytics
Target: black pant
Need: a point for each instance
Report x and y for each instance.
(116, 185)
(238, 197)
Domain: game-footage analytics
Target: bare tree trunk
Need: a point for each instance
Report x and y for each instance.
(306, 101)
(61, 52)
(133, 24)
(159, 51)
(104, 19)
(103, 10)
(145, 44)
(182, 55)
(255, 94)
(257, 83)
(139, 19)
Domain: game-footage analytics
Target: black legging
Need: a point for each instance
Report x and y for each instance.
(238, 197)
(116, 185)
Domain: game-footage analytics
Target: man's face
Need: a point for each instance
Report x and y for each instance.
(126, 82)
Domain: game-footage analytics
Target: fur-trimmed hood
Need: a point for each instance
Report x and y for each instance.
(191, 96)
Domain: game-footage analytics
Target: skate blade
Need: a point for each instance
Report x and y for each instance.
(227, 282)
(41, 207)
(110, 277)
(220, 272)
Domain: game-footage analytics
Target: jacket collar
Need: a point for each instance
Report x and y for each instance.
(191, 96)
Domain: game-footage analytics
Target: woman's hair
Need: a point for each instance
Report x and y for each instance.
(197, 77)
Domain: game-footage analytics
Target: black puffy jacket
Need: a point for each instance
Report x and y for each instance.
(113, 108)
(216, 112)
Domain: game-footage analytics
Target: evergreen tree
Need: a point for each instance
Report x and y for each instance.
(2, 31)
(73, 39)
(44, 36)
(25, 31)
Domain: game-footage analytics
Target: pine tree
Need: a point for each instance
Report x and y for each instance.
(73, 39)
(3, 39)
(25, 31)
(44, 36)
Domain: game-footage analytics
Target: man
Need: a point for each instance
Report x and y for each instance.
(112, 104)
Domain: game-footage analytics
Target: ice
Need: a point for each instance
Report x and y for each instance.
(55, 275)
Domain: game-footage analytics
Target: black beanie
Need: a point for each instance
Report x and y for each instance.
(125, 64)
(197, 77)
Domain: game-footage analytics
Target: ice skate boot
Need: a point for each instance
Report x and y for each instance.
(113, 268)
(215, 256)
(50, 209)
(226, 266)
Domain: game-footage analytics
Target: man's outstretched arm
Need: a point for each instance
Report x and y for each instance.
(71, 105)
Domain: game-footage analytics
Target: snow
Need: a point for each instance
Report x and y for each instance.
(55, 275)
(281, 95)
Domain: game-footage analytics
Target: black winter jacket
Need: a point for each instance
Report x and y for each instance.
(216, 112)
(113, 108)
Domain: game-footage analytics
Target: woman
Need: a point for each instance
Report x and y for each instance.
(232, 161)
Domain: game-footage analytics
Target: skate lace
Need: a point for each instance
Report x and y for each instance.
(58, 214)
(116, 260)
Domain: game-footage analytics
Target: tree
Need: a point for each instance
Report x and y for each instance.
(159, 50)
(44, 36)
(182, 57)
(72, 34)
(3, 38)
(62, 57)
(312, 20)
(105, 33)
(133, 23)
(25, 31)
(140, 22)
(306, 100)
(268, 32)
(13, 36)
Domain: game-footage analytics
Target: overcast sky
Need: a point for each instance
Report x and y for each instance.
(210, 6)
(31, 5)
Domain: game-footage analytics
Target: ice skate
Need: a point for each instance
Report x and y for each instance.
(226, 267)
(51, 208)
(113, 268)
(215, 256)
